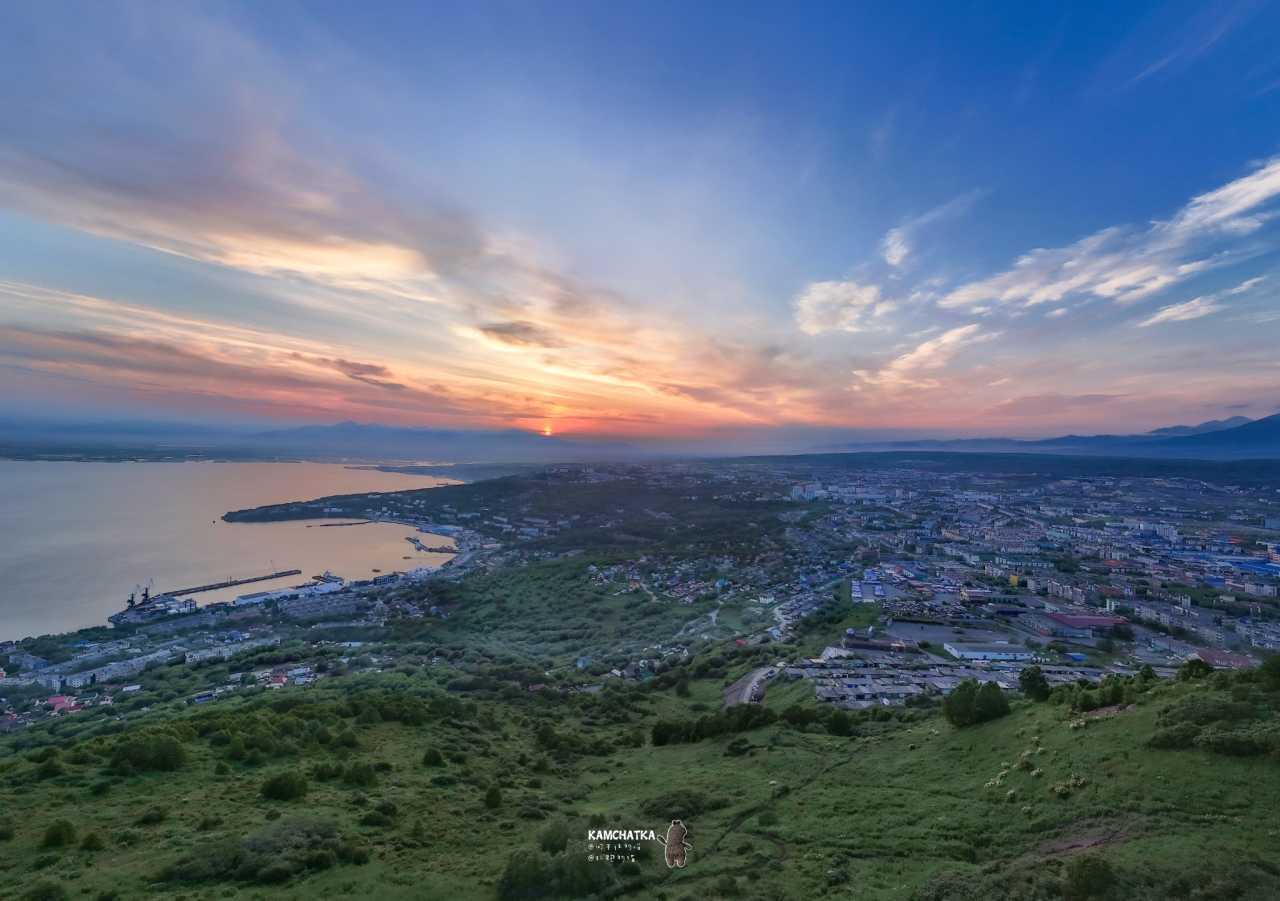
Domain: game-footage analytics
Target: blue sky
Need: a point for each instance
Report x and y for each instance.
(643, 218)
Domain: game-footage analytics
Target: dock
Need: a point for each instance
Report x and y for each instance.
(231, 583)
(427, 549)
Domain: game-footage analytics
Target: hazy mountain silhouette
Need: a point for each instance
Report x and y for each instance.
(1235, 438)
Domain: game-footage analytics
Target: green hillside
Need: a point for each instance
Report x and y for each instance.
(412, 791)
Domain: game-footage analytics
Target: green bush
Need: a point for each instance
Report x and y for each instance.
(532, 875)
(153, 816)
(1033, 683)
(276, 854)
(433, 757)
(1195, 668)
(1237, 743)
(45, 891)
(287, 786)
(727, 887)
(91, 842)
(1269, 672)
(1174, 737)
(153, 751)
(970, 703)
(493, 797)
(59, 834)
(1204, 707)
(684, 804)
(1088, 878)
(360, 774)
(555, 837)
(840, 723)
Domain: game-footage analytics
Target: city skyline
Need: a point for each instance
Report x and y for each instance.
(578, 220)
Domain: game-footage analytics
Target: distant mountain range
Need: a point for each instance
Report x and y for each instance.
(344, 441)
(1236, 438)
(1213, 425)
(354, 439)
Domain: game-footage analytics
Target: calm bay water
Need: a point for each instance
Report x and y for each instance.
(75, 538)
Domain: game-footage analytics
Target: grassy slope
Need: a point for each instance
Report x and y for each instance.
(893, 810)
(890, 810)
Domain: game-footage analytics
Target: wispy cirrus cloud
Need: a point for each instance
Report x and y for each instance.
(1052, 403)
(900, 241)
(1199, 307)
(1126, 264)
(915, 369)
(1195, 308)
(1198, 35)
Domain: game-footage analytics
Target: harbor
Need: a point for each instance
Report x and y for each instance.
(80, 535)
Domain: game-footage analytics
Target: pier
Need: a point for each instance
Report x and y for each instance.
(442, 549)
(231, 583)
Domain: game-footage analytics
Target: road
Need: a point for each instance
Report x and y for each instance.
(749, 689)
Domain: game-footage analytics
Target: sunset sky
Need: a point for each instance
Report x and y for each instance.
(642, 219)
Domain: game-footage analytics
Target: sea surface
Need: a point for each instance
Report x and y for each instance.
(76, 538)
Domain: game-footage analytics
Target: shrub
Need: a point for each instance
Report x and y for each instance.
(532, 874)
(840, 723)
(969, 703)
(45, 891)
(91, 842)
(727, 886)
(1174, 737)
(59, 834)
(990, 703)
(154, 751)
(1033, 683)
(680, 804)
(1203, 708)
(152, 816)
(288, 786)
(1269, 672)
(6, 830)
(323, 772)
(1088, 878)
(1195, 668)
(360, 774)
(49, 769)
(276, 854)
(555, 837)
(1235, 743)
(493, 797)
(433, 757)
